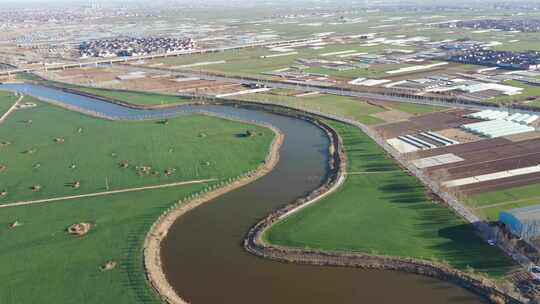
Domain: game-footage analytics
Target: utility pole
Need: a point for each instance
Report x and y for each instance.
(107, 183)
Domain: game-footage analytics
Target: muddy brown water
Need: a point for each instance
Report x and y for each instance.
(205, 262)
(203, 255)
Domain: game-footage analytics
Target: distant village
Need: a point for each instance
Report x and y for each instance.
(510, 25)
(504, 59)
(125, 47)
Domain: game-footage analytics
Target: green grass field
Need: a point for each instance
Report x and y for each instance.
(347, 107)
(414, 109)
(93, 150)
(490, 204)
(249, 61)
(528, 92)
(138, 98)
(7, 99)
(40, 262)
(375, 71)
(385, 213)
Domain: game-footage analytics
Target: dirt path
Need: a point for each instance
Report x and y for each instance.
(63, 198)
(11, 109)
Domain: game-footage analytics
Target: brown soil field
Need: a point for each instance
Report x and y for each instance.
(461, 149)
(488, 156)
(488, 162)
(524, 136)
(501, 184)
(392, 116)
(432, 121)
(87, 74)
(459, 135)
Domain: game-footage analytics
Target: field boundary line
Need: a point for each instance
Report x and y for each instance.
(495, 160)
(507, 203)
(63, 198)
(372, 172)
(11, 109)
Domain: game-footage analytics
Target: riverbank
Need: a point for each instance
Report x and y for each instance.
(298, 115)
(256, 243)
(158, 232)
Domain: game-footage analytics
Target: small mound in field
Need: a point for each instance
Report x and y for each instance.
(79, 229)
(110, 265)
(15, 224)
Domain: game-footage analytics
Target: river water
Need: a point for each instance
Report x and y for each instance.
(203, 255)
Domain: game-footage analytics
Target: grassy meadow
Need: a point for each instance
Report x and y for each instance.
(385, 213)
(41, 262)
(54, 148)
(133, 97)
(347, 107)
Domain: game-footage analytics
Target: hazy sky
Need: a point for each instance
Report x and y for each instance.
(27, 3)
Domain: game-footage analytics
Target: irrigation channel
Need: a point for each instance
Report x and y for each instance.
(203, 256)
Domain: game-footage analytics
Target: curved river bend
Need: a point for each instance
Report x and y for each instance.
(203, 256)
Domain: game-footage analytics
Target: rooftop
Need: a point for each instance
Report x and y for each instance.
(526, 213)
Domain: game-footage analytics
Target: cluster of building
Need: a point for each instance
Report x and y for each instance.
(134, 46)
(511, 25)
(505, 59)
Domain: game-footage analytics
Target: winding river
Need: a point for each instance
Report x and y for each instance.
(203, 256)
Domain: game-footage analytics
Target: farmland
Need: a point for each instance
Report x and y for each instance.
(529, 91)
(133, 97)
(347, 107)
(249, 61)
(490, 204)
(138, 98)
(385, 213)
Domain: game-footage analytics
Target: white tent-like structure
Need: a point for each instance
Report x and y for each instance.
(497, 128)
